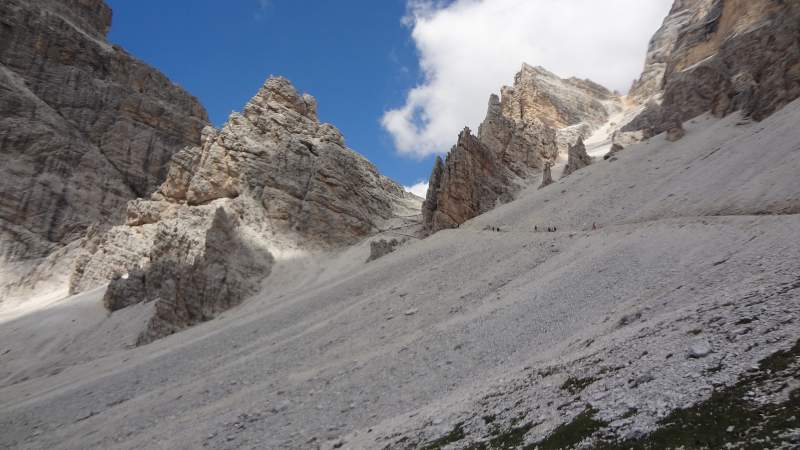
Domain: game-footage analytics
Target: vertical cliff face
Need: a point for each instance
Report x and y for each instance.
(660, 50)
(721, 56)
(84, 127)
(525, 129)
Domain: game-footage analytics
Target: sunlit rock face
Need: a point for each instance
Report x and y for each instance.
(525, 129)
(720, 56)
(288, 179)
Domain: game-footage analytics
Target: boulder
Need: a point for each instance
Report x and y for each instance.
(382, 247)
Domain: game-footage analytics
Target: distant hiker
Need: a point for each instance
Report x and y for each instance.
(535, 229)
(594, 226)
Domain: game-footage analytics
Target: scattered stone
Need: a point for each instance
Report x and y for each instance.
(700, 349)
(675, 131)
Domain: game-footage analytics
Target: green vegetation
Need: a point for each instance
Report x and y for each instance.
(570, 434)
(455, 435)
(727, 417)
(576, 385)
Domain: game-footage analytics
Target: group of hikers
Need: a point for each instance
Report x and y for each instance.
(535, 228)
(549, 229)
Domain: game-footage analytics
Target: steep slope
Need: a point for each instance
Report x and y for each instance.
(472, 337)
(533, 122)
(84, 128)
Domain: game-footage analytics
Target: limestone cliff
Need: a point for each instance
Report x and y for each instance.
(721, 56)
(289, 179)
(533, 122)
(84, 127)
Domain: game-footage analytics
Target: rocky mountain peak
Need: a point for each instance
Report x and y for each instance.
(278, 94)
(289, 179)
(526, 128)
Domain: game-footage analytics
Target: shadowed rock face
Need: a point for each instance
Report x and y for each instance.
(471, 180)
(522, 133)
(722, 56)
(289, 179)
(189, 291)
(84, 127)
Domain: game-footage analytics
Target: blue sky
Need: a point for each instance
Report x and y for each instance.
(356, 59)
(399, 78)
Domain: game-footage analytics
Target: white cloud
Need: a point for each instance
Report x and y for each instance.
(470, 48)
(420, 189)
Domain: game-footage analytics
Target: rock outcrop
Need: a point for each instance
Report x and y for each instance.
(721, 56)
(84, 127)
(189, 290)
(577, 158)
(290, 181)
(650, 84)
(526, 128)
(382, 247)
(547, 176)
(473, 179)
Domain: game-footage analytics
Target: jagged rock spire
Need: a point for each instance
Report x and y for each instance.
(577, 158)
